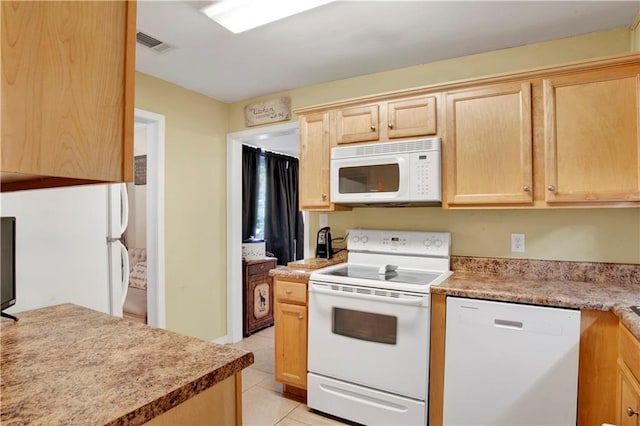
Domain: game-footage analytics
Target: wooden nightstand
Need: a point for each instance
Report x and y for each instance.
(257, 294)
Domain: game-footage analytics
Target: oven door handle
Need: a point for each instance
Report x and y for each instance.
(407, 301)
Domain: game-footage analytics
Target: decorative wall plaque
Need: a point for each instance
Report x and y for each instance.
(269, 111)
(140, 170)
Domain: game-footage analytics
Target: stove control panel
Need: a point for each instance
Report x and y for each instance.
(417, 243)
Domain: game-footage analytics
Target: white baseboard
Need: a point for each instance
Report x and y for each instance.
(221, 340)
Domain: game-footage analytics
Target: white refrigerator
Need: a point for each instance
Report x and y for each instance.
(68, 246)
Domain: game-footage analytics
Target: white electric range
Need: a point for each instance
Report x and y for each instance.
(368, 342)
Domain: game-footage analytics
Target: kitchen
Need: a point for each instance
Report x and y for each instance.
(550, 234)
(557, 234)
(193, 251)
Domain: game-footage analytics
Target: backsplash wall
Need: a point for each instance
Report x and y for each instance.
(583, 235)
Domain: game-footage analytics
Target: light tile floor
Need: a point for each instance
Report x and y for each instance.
(263, 403)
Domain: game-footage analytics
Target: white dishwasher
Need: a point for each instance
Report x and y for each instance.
(510, 364)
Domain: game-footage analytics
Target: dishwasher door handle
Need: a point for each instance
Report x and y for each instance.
(515, 325)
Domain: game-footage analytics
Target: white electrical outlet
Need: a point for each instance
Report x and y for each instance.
(324, 220)
(517, 243)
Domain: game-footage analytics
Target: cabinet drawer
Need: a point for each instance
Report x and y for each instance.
(261, 268)
(291, 291)
(629, 348)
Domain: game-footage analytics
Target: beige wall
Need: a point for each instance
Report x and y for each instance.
(603, 235)
(592, 235)
(195, 205)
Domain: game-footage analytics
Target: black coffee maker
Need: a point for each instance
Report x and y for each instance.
(323, 244)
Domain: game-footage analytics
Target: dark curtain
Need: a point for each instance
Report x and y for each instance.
(250, 163)
(283, 227)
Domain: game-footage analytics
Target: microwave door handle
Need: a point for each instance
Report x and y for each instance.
(407, 301)
(404, 171)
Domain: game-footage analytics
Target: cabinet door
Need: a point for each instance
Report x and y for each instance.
(291, 344)
(314, 162)
(357, 124)
(629, 397)
(411, 117)
(591, 123)
(488, 145)
(67, 89)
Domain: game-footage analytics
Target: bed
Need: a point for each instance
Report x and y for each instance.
(135, 304)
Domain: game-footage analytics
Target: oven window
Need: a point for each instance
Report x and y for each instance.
(361, 179)
(365, 326)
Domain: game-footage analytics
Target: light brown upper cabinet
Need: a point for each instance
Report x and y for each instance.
(67, 84)
(488, 149)
(314, 161)
(358, 124)
(591, 131)
(400, 118)
(554, 137)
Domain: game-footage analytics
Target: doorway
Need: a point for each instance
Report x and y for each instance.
(256, 137)
(154, 136)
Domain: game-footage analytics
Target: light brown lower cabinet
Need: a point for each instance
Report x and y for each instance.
(291, 334)
(597, 373)
(628, 384)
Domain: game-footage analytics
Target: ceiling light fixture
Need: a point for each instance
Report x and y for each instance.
(242, 15)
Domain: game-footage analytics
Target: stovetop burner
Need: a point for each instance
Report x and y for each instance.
(372, 273)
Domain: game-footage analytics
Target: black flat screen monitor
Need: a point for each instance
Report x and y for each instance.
(7, 262)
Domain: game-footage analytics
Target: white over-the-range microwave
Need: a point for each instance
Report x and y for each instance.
(407, 171)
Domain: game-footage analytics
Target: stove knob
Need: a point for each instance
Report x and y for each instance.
(356, 239)
(427, 243)
(365, 239)
(438, 243)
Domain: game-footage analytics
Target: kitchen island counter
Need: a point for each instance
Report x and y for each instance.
(67, 364)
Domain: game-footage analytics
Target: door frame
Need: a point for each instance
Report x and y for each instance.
(234, 219)
(156, 307)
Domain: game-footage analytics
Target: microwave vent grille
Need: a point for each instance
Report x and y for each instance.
(416, 145)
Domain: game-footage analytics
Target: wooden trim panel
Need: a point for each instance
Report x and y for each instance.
(597, 368)
(436, 368)
(214, 406)
(129, 91)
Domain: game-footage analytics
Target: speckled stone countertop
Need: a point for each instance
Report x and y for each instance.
(317, 263)
(69, 365)
(300, 270)
(582, 285)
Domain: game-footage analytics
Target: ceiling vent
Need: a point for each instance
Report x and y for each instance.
(152, 43)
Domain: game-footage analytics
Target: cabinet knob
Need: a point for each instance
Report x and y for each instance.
(300, 317)
(390, 125)
(373, 127)
(526, 188)
(630, 412)
(324, 197)
(551, 188)
(287, 291)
